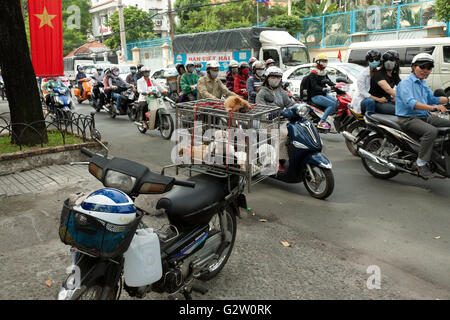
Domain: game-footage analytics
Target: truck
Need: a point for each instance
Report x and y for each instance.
(240, 44)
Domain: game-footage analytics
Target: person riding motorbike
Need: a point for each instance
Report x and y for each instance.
(98, 76)
(80, 75)
(231, 74)
(255, 82)
(318, 89)
(181, 70)
(363, 101)
(272, 93)
(52, 82)
(144, 87)
(188, 82)
(250, 65)
(383, 82)
(198, 69)
(108, 85)
(131, 76)
(118, 86)
(270, 63)
(138, 73)
(210, 86)
(413, 101)
(240, 82)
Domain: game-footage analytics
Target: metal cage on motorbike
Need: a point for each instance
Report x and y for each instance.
(213, 140)
(94, 236)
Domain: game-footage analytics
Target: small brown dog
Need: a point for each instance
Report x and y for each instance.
(235, 104)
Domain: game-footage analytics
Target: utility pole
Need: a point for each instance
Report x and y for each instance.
(289, 7)
(169, 7)
(123, 38)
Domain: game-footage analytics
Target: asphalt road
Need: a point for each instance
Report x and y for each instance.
(401, 225)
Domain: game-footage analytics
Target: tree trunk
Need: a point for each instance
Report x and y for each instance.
(19, 77)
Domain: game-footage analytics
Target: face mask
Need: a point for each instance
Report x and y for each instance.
(245, 71)
(146, 74)
(116, 73)
(213, 74)
(133, 71)
(190, 69)
(234, 70)
(389, 65)
(274, 82)
(374, 64)
(198, 68)
(260, 73)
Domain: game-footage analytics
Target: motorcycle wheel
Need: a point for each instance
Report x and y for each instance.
(166, 126)
(354, 128)
(324, 185)
(141, 128)
(215, 226)
(373, 144)
(131, 113)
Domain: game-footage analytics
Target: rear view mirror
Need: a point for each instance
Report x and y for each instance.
(342, 79)
(439, 93)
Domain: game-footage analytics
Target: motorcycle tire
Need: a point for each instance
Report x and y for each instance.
(372, 144)
(141, 128)
(314, 189)
(166, 126)
(354, 128)
(131, 114)
(231, 227)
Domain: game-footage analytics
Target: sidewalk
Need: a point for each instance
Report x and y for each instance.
(42, 179)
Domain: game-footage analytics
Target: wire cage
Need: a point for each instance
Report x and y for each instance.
(221, 141)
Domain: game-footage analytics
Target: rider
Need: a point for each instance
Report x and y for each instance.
(318, 89)
(363, 101)
(270, 63)
(413, 102)
(210, 86)
(98, 76)
(255, 82)
(240, 82)
(273, 94)
(131, 76)
(383, 82)
(231, 74)
(188, 82)
(138, 74)
(52, 82)
(181, 70)
(80, 75)
(250, 65)
(119, 85)
(144, 87)
(198, 69)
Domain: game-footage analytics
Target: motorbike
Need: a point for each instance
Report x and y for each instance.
(98, 96)
(306, 162)
(128, 98)
(157, 118)
(202, 214)
(87, 90)
(59, 103)
(387, 150)
(172, 88)
(2, 90)
(67, 83)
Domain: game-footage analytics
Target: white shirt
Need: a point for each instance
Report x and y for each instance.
(142, 87)
(362, 90)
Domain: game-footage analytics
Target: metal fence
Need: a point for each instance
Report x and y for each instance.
(335, 30)
(151, 53)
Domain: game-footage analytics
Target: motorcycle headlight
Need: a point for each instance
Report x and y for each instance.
(119, 181)
(302, 110)
(299, 145)
(58, 100)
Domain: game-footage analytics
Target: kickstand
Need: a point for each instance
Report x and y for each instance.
(197, 288)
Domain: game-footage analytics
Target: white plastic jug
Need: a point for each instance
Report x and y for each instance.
(143, 259)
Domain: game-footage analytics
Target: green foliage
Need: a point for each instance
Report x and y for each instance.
(75, 37)
(443, 10)
(318, 10)
(138, 26)
(292, 24)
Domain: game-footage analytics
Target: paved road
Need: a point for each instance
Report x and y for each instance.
(400, 225)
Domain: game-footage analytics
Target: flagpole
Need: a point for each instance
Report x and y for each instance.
(257, 13)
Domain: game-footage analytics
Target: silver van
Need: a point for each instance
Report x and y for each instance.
(439, 48)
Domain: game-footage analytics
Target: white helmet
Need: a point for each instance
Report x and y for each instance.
(145, 69)
(233, 64)
(273, 71)
(422, 58)
(110, 205)
(212, 64)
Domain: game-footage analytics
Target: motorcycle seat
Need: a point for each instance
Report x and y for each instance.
(386, 119)
(193, 206)
(443, 130)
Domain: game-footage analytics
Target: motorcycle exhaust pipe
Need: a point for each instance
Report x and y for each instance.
(347, 135)
(370, 156)
(105, 108)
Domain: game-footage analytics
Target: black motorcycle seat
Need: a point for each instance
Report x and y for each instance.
(386, 119)
(443, 130)
(194, 205)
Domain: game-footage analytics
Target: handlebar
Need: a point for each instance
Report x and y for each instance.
(87, 152)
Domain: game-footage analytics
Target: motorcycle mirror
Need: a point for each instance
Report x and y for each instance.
(439, 93)
(342, 79)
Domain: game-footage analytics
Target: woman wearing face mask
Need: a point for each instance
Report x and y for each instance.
(210, 86)
(319, 87)
(240, 82)
(383, 82)
(232, 74)
(188, 82)
(363, 101)
(255, 82)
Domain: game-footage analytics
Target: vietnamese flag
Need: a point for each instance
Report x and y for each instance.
(46, 37)
(339, 56)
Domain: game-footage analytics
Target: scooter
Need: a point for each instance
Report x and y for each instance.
(195, 245)
(87, 90)
(306, 162)
(60, 104)
(158, 117)
(128, 98)
(172, 88)
(98, 96)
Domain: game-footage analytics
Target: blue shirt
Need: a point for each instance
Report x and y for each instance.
(410, 91)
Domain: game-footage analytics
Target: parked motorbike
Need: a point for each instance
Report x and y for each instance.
(87, 90)
(128, 98)
(387, 150)
(157, 118)
(196, 245)
(306, 162)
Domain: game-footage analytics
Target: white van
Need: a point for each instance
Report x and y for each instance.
(439, 48)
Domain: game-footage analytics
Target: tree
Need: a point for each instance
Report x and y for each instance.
(19, 77)
(292, 24)
(323, 8)
(443, 10)
(138, 26)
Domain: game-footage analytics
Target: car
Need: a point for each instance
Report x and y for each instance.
(350, 71)
(160, 75)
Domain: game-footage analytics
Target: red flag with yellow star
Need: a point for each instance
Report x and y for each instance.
(46, 37)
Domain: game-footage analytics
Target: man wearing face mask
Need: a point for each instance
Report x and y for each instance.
(413, 102)
(255, 82)
(231, 74)
(383, 82)
(198, 69)
(240, 82)
(188, 82)
(210, 86)
(131, 75)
